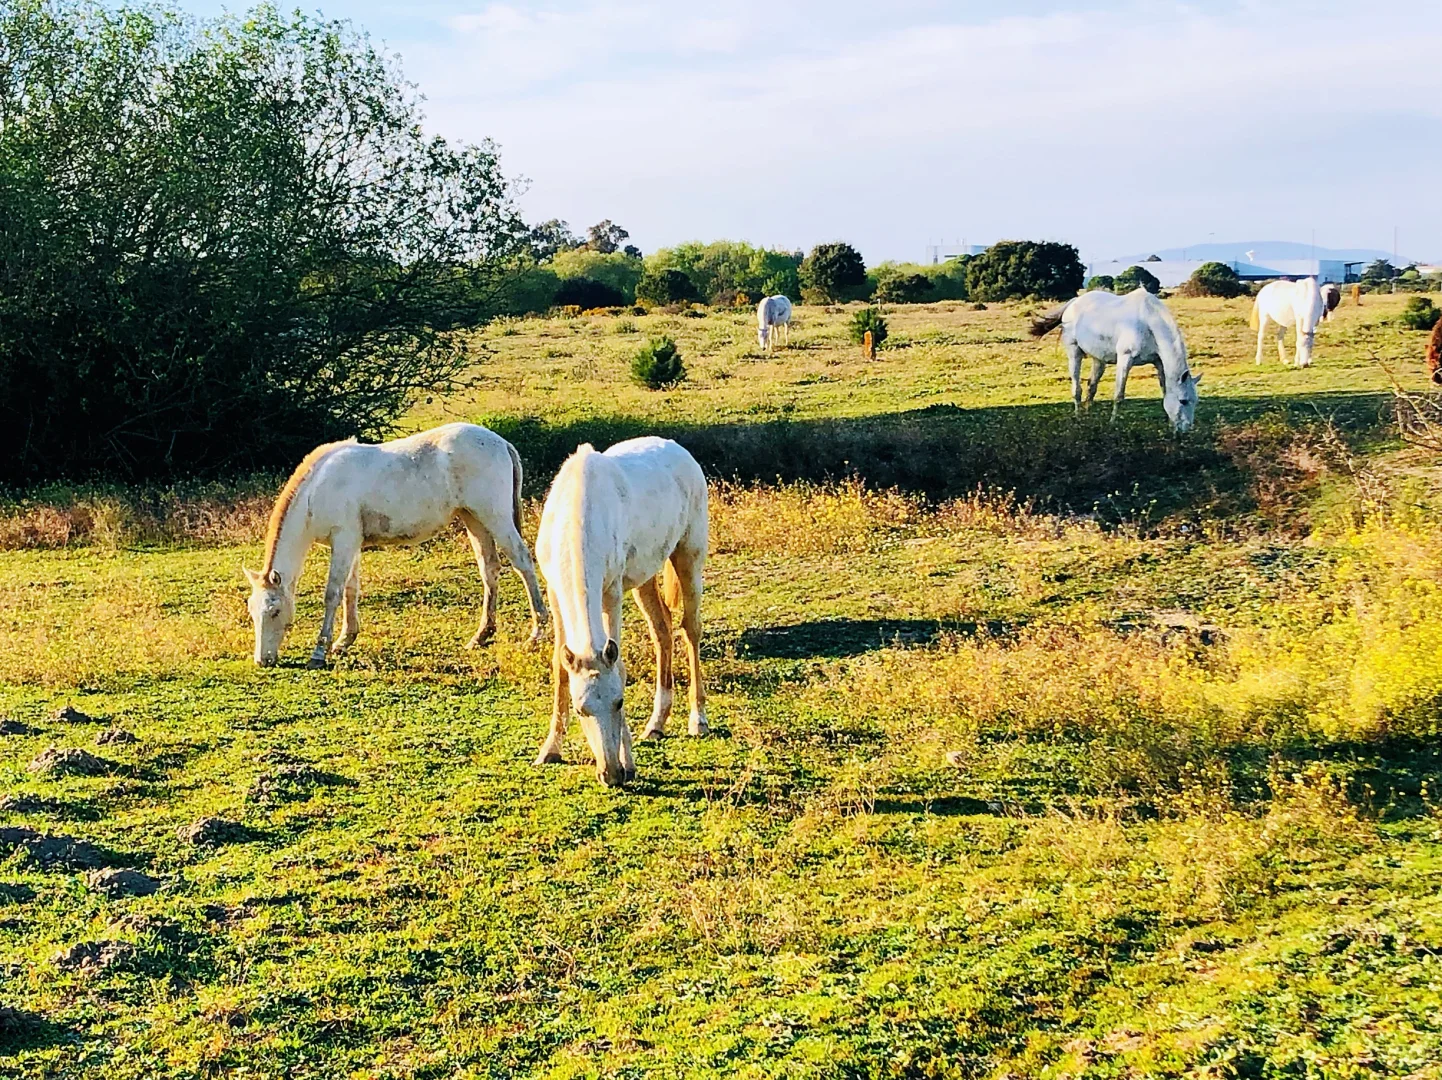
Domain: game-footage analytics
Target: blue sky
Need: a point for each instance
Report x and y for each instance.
(1116, 126)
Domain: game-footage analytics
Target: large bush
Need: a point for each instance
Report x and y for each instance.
(1102, 281)
(903, 287)
(665, 287)
(616, 270)
(1420, 314)
(1214, 279)
(223, 243)
(586, 293)
(1136, 277)
(834, 272)
(720, 271)
(1021, 269)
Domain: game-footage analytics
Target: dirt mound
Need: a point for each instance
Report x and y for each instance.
(9, 726)
(290, 783)
(69, 714)
(53, 851)
(95, 956)
(118, 883)
(71, 761)
(115, 737)
(212, 832)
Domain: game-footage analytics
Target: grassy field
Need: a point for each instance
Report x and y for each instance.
(1041, 747)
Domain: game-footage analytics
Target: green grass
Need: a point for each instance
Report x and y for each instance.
(1135, 780)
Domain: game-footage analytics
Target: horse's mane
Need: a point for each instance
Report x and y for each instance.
(287, 496)
(1165, 330)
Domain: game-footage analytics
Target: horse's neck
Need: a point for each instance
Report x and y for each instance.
(293, 540)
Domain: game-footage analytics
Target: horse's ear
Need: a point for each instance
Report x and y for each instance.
(611, 652)
(1196, 379)
(252, 576)
(273, 579)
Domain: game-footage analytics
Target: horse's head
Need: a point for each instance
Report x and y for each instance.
(598, 684)
(1305, 340)
(272, 610)
(1180, 401)
(762, 331)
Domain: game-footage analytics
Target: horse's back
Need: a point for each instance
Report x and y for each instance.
(773, 310)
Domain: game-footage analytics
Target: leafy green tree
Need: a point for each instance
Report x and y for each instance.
(551, 237)
(1214, 279)
(903, 288)
(1102, 281)
(584, 292)
(1020, 269)
(616, 270)
(1135, 277)
(834, 271)
(224, 242)
(722, 269)
(1378, 272)
(605, 237)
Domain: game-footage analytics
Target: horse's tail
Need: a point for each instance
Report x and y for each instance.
(516, 477)
(1256, 318)
(1045, 324)
(670, 587)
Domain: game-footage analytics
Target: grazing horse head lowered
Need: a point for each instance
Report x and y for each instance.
(1137, 328)
(632, 519)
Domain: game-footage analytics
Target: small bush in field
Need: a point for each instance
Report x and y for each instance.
(1102, 281)
(1134, 277)
(658, 364)
(1214, 279)
(1420, 314)
(868, 319)
(625, 326)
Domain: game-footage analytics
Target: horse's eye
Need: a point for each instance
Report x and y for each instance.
(619, 703)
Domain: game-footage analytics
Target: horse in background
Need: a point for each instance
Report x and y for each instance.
(773, 319)
(1331, 297)
(349, 495)
(1137, 328)
(633, 519)
(1281, 304)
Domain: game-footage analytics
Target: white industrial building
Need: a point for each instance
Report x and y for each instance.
(1173, 272)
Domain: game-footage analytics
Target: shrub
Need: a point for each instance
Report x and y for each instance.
(1214, 279)
(658, 365)
(1102, 281)
(1018, 269)
(868, 319)
(1137, 277)
(224, 241)
(1420, 314)
(586, 293)
(903, 288)
(834, 271)
(725, 267)
(621, 272)
(664, 287)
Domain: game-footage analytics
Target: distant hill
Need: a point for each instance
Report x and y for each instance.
(1263, 251)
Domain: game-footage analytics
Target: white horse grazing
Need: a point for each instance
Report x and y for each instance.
(773, 319)
(1125, 330)
(351, 495)
(633, 518)
(1331, 297)
(1289, 303)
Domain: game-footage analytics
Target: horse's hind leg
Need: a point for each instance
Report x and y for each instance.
(484, 547)
(1282, 344)
(686, 565)
(350, 612)
(1261, 335)
(1074, 363)
(658, 618)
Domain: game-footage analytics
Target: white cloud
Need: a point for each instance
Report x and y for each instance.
(1143, 125)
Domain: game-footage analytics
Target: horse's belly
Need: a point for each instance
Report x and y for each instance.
(382, 528)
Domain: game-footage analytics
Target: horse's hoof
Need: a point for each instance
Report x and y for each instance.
(548, 757)
(698, 726)
(316, 663)
(482, 637)
(653, 734)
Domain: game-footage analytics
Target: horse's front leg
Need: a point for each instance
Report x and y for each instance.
(611, 620)
(1074, 362)
(1282, 344)
(344, 550)
(550, 752)
(350, 613)
(1124, 368)
(1099, 367)
(1261, 336)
